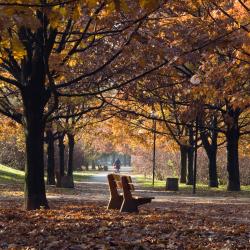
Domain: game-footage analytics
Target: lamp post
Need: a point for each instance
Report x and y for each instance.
(195, 80)
(154, 145)
(195, 154)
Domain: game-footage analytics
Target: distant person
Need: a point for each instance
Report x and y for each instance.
(117, 165)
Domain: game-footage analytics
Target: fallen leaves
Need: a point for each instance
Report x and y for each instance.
(88, 225)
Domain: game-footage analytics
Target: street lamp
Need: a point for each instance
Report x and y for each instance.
(195, 80)
(153, 115)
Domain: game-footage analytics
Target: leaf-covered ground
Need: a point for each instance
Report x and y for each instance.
(88, 225)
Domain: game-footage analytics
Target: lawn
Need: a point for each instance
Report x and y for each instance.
(10, 175)
(83, 175)
(201, 189)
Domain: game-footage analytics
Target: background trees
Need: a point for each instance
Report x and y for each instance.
(186, 61)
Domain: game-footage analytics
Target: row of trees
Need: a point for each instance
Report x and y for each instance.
(187, 61)
(206, 86)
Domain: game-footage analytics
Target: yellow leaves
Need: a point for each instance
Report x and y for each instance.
(9, 11)
(76, 13)
(18, 50)
(72, 62)
(121, 5)
(149, 4)
(63, 11)
(92, 3)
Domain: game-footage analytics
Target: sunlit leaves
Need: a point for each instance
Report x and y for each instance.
(149, 4)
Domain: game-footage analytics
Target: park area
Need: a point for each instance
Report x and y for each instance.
(124, 124)
(79, 219)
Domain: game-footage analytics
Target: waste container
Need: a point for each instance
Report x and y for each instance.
(172, 184)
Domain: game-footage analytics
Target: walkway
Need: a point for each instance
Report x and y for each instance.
(101, 177)
(96, 189)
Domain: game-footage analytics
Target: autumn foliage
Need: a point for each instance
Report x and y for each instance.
(86, 68)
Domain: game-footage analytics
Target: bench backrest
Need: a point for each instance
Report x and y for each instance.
(127, 187)
(117, 181)
(114, 181)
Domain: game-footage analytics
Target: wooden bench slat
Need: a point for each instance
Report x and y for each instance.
(119, 184)
(117, 177)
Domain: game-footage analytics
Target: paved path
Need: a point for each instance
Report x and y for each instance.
(96, 189)
(101, 177)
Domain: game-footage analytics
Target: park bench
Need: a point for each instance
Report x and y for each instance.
(125, 202)
(116, 198)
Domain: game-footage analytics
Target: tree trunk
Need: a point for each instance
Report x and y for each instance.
(60, 171)
(212, 168)
(50, 159)
(113, 157)
(35, 196)
(233, 159)
(190, 177)
(93, 164)
(184, 151)
(71, 154)
(129, 160)
(125, 160)
(209, 141)
(61, 154)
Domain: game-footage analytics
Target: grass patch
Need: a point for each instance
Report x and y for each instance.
(83, 175)
(201, 189)
(10, 175)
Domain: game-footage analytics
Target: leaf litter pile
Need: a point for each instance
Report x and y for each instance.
(88, 225)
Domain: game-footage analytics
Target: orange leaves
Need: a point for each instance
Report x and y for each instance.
(149, 4)
(81, 225)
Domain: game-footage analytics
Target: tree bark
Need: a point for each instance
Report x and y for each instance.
(233, 159)
(71, 139)
(61, 147)
(190, 177)
(35, 196)
(184, 151)
(50, 159)
(93, 164)
(211, 151)
(60, 172)
(212, 168)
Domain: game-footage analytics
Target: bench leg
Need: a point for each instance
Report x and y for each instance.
(129, 206)
(115, 203)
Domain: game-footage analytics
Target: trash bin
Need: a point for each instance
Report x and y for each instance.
(172, 184)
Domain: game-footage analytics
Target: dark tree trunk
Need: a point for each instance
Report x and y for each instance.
(212, 168)
(35, 196)
(190, 177)
(184, 151)
(60, 172)
(113, 157)
(211, 147)
(129, 160)
(50, 159)
(61, 147)
(71, 139)
(233, 159)
(125, 160)
(93, 164)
